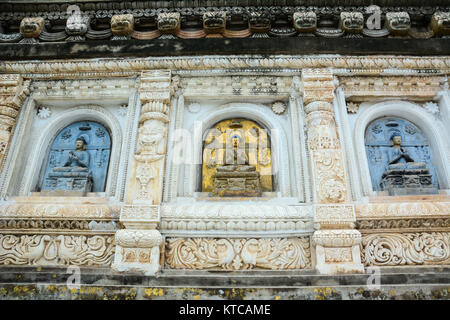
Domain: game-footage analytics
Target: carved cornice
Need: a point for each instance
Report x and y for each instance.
(370, 65)
(274, 19)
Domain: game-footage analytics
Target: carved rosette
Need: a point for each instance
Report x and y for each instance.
(327, 165)
(13, 90)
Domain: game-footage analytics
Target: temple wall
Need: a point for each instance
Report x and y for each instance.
(322, 213)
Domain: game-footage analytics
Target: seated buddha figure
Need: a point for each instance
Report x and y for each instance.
(236, 159)
(77, 160)
(74, 175)
(404, 176)
(237, 177)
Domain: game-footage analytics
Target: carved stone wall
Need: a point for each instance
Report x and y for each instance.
(317, 221)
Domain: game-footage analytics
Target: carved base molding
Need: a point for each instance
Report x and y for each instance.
(238, 254)
(236, 220)
(137, 251)
(56, 250)
(396, 249)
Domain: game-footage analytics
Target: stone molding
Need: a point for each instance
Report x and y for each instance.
(235, 220)
(403, 224)
(238, 254)
(59, 210)
(349, 65)
(140, 216)
(407, 209)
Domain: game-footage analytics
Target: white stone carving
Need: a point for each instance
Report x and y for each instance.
(278, 107)
(238, 254)
(431, 107)
(56, 250)
(242, 219)
(44, 113)
(388, 249)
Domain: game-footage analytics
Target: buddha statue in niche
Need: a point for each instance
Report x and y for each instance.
(237, 177)
(404, 176)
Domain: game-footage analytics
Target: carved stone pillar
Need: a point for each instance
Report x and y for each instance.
(335, 239)
(13, 90)
(138, 247)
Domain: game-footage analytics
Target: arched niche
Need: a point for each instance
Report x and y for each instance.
(97, 141)
(378, 146)
(252, 152)
(280, 154)
(426, 123)
(38, 155)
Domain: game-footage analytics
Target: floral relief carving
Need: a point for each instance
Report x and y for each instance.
(58, 250)
(238, 254)
(390, 249)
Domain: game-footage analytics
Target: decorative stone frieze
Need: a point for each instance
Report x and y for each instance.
(56, 250)
(398, 23)
(238, 254)
(13, 91)
(396, 249)
(407, 209)
(351, 22)
(349, 65)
